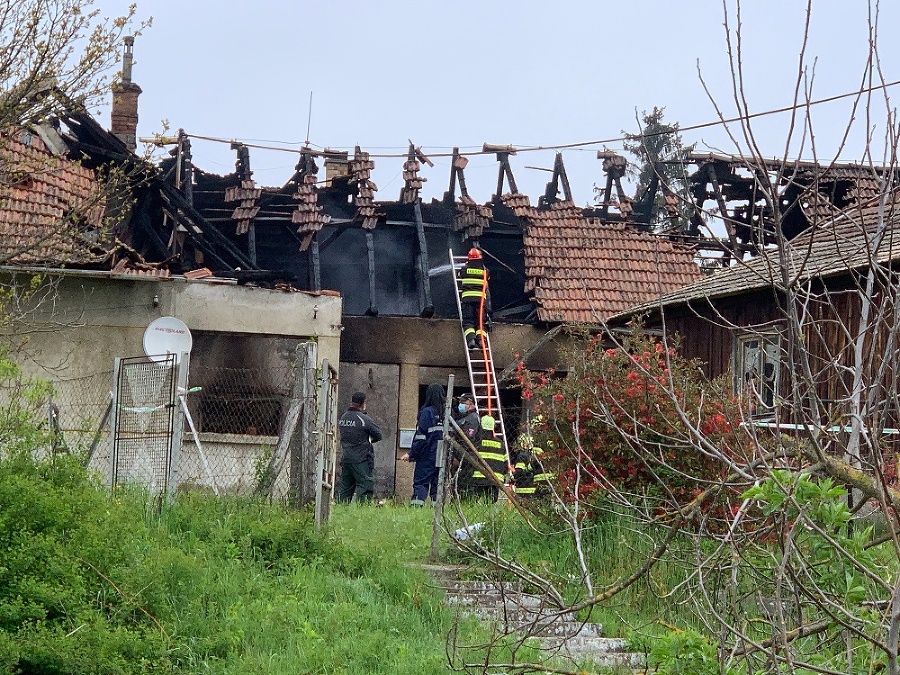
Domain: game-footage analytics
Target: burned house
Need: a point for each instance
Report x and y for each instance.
(252, 269)
(389, 260)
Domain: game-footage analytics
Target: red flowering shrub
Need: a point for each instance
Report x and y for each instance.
(638, 419)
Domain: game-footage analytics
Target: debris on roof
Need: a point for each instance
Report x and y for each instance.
(413, 182)
(470, 217)
(140, 268)
(361, 171)
(862, 235)
(202, 273)
(248, 195)
(307, 215)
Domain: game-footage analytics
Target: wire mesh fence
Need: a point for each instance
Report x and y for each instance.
(238, 414)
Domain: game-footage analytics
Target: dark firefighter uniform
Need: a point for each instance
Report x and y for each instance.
(491, 451)
(530, 476)
(474, 297)
(470, 426)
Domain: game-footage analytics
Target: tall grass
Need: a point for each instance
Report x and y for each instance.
(93, 583)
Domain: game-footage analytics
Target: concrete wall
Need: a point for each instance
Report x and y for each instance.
(85, 320)
(91, 319)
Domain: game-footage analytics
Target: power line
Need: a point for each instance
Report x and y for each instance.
(580, 144)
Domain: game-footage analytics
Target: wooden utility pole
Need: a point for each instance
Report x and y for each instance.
(441, 462)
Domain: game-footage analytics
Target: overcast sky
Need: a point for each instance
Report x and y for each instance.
(462, 73)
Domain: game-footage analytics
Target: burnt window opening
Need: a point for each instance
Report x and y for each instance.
(243, 401)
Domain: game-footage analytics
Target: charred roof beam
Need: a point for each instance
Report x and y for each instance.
(551, 193)
(614, 166)
(503, 152)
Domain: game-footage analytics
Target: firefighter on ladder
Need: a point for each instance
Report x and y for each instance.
(475, 299)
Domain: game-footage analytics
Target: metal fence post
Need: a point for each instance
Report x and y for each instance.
(113, 421)
(325, 452)
(183, 364)
(303, 442)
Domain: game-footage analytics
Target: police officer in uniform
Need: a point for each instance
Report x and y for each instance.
(358, 431)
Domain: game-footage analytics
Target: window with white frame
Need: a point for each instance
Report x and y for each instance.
(757, 370)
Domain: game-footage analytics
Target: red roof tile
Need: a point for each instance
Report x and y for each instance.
(41, 197)
(585, 270)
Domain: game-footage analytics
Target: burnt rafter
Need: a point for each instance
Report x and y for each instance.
(469, 217)
(503, 152)
(186, 177)
(615, 167)
(559, 181)
(364, 199)
(807, 193)
(519, 203)
(206, 238)
(412, 181)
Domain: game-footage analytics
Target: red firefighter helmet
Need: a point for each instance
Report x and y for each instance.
(474, 254)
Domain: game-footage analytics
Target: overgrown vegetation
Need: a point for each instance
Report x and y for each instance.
(100, 583)
(90, 583)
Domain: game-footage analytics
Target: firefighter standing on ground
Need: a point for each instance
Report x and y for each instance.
(470, 425)
(474, 298)
(531, 479)
(491, 450)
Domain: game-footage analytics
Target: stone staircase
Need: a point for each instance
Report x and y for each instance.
(525, 616)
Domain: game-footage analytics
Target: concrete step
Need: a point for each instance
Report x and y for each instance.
(495, 599)
(549, 627)
(510, 610)
(479, 587)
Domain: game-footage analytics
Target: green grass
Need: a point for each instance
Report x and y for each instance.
(122, 584)
(613, 545)
(90, 583)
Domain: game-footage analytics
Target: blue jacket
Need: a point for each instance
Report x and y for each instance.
(429, 430)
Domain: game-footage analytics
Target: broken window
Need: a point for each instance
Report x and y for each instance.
(757, 370)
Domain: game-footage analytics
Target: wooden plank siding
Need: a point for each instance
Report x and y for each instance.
(707, 331)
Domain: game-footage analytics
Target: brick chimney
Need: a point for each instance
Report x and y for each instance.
(336, 165)
(125, 101)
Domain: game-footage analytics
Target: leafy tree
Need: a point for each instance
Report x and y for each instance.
(660, 154)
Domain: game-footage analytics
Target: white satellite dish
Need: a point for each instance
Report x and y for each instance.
(167, 335)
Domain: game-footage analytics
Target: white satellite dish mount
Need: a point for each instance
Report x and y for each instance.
(165, 336)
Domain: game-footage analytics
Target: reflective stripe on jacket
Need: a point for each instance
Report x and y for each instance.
(491, 451)
(473, 278)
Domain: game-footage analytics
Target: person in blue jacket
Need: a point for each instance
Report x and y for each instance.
(423, 451)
